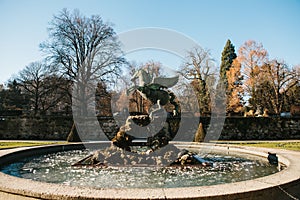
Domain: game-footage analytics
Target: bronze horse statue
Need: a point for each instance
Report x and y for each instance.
(153, 88)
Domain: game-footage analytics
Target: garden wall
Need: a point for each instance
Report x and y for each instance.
(39, 128)
(260, 128)
(234, 128)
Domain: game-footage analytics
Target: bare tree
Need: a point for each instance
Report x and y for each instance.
(281, 79)
(292, 96)
(198, 68)
(186, 94)
(56, 99)
(198, 64)
(87, 51)
(153, 68)
(37, 81)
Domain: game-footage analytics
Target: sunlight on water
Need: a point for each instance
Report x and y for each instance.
(56, 168)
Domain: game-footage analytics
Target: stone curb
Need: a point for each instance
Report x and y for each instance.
(275, 186)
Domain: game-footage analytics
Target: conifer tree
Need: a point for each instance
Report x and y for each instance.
(228, 55)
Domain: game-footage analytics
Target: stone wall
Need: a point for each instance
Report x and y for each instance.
(234, 128)
(261, 128)
(38, 128)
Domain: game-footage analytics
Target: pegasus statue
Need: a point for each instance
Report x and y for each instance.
(153, 88)
(144, 78)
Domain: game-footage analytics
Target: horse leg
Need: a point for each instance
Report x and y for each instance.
(158, 103)
(155, 110)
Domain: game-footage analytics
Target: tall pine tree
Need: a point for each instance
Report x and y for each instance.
(223, 93)
(228, 55)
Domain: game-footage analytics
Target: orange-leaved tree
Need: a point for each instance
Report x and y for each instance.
(252, 57)
(235, 90)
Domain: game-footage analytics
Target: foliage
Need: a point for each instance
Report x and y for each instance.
(198, 68)
(12, 98)
(231, 79)
(274, 87)
(252, 57)
(103, 100)
(228, 55)
(235, 90)
(262, 96)
(202, 95)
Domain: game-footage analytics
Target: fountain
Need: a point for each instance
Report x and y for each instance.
(131, 166)
(236, 172)
(46, 172)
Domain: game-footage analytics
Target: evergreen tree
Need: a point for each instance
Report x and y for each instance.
(15, 99)
(13, 95)
(222, 95)
(12, 99)
(228, 55)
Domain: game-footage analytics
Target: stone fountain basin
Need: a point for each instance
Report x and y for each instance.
(282, 185)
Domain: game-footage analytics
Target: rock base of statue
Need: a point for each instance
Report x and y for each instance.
(187, 158)
(116, 157)
(169, 156)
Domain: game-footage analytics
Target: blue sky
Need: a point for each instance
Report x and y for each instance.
(276, 24)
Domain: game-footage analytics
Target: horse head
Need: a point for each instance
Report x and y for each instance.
(143, 76)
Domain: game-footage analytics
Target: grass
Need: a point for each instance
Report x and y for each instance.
(7, 145)
(277, 145)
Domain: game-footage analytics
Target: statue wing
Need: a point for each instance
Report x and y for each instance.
(167, 82)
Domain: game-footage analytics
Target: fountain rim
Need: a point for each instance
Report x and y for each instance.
(10, 185)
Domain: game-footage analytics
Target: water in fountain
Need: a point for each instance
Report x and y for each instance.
(56, 168)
